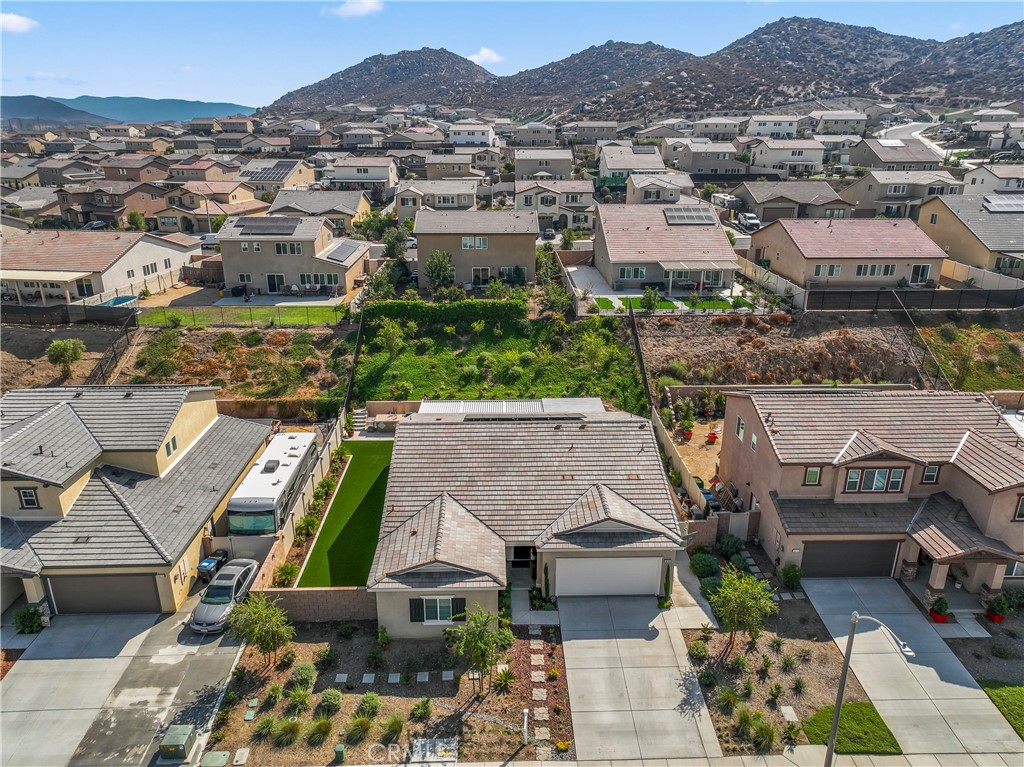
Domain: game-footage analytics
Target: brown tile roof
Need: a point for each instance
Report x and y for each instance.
(64, 251)
(819, 238)
(211, 187)
(179, 238)
(912, 150)
(994, 465)
(947, 531)
(641, 233)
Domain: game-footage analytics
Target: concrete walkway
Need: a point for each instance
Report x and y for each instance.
(633, 693)
(930, 702)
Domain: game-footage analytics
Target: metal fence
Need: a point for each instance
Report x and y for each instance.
(107, 364)
(926, 300)
(66, 314)
(154, 283)
(244, 316)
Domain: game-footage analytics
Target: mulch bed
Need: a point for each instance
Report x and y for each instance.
(7, 660)
(1001, 657)
(487, 726)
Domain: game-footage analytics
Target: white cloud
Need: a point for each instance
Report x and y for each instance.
(12, 22)
(351, 9)
(956, 26)
(486, 56)
(185, 69)
(53, 77)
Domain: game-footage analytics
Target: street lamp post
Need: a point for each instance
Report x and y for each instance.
(855, 618)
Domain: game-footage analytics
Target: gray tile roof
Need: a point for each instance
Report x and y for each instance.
(317, 203)
(997, 231)
(575, 405)
(443, 532)
(128, 518)
(909, 150)
(465, 186)
(804, 192)
(474, 222)
(17, 556)
(117, 417)
(31, 451)
(261, 227)
(825, 516)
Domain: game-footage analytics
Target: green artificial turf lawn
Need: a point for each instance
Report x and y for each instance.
(708, 303)
(1009, 698)
(861, 730)
(348, 539)
(638, 303)
(603, 303)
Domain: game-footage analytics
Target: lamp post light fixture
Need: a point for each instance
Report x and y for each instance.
(855, 618)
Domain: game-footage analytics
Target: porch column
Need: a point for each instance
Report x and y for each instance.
(67, 294)
(908, 561)
(936, 583)
(17, 291)
(987, 578)
(42, 293)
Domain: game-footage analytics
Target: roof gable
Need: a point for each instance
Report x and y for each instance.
(601, 509)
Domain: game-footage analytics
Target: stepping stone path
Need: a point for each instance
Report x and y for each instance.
(254, 702)
(536, 644)
(535, 631)
(799, 595)
(241, 757)
(541, 714)
(394, 678)
(447, 676)
(542, 733)
(536, 660)
(536, 676)
(789, 713)
(786, 595)
(539, 693)
(340, 678)
(368, 678)
(422, 676)
(250, 715)
(543, 753)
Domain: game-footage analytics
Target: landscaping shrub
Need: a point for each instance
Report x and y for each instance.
(744, 719)
(330, 701)
(422, 709)
(451, 313)
(775, 692)
(703, 565)
(707, 630)
(287, 658)
(729, 546)
(274, 693)
(747, 687)
(358, 728)
(375, 658)
(948, 332)
(764, 736)
(698, 651)
(252, 338)
(552, 674)
(231, 697)
(304, 529)
(739, 664)
(319, 732)
(504, 679)
(726, 698)
(369, 705)
(737, 561)
(393, 727)
(286, 733)
(28, 620)
(791, 575)
(710, 586)
(799, 685)
(777, 643)
(346, 630)
(325, 656)
(787, 662)
(766, 665)
(225, 342)
(303, 676)
(285, 575)
(299, 700)
(707, 678)
(791, 732)
(264, 727)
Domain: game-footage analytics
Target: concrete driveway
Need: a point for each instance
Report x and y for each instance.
(632, 690)
(100, 689)
(930, 702)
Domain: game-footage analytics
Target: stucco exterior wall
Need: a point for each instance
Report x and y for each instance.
(393, 610)
(502, 250)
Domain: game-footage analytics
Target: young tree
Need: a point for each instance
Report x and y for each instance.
(64, 353)
(374, 224)
(379, 286)
(709, 189)
(391, 337)
(217, 222)
(555, 300)
(136, 221)
(649, 300)
(259, 622)
(741, 603)
(481, 639)
(439, 270)
(394, 245)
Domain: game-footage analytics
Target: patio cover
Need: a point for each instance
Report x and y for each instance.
(947, 532)
(42, 275)
(698, 265)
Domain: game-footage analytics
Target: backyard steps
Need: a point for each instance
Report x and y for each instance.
(359, 417)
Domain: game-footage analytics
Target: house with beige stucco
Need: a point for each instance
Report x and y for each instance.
(898, 194)
(109, 491)
(848, 482)
(545, 502)
(981, 230)
(421, 194)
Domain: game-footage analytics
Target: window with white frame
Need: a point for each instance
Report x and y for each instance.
(130, 273)
(876, 270)
(874, 480)
(28, 498)
(897, 188)
(632, 272)
(256, 247)
(835, 213)
(930, 475)
(474, 243)
(741, 427)
(507, 273)
(170, 446)
(753, 442)
(933, 218)
(319, 279)
(812, 475)
(652, 194)
(1019, 513)
(446, 199)
(407, 202)
(826, 270)
(148, 269)
(167, 263)
(245, 277)
(437, 609)
(245, 247)
(288, 248)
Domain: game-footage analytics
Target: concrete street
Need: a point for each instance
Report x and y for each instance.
(930, 702)
(100, 689)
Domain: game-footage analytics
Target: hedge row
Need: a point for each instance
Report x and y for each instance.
(448, 314)
(325, 408)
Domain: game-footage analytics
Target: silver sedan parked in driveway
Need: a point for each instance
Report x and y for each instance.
(228, 588)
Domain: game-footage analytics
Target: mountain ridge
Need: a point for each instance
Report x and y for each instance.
(143, 109)
(44, 112)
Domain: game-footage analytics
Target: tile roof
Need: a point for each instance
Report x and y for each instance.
(180, 238)
(813, 516)
(641, 233)
(677, 180)
(864, 444)
(476, 222)
(803, 192)
(368, 162)
(317, 203)
(999, 170)
(68, 250)
(819, 238)
(558, 187)
(994, 465)
(270, 171)
(625, 158)
(467, 186)
(598, 505)
(130, 160)
(912, 150)
(242, 227)
(997, 231)
(913, 177)
(543, 154)
(789, 143)
(17, 556)
(31, 452)
(946, 530)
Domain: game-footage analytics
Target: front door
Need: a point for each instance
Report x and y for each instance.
(274, 283)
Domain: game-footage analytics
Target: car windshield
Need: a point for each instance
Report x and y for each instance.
(217, 595)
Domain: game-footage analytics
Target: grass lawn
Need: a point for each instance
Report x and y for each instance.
(976, 357)
(1009, 698)
(348, 539)
(605, 304)
(638, 303)
(861, 730)
(710, 304)
(592, 358)
(741, 303)
(241, 316)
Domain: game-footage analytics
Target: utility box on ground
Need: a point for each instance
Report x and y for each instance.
(178, 742)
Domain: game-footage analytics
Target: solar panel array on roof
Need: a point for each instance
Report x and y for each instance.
(890, 142)
(277, 225)
(689, 215)
(645, 149)
(278, 172)
(997, 204)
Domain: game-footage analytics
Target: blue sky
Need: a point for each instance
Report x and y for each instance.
(224, 51)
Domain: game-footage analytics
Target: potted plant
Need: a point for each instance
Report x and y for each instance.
(712, 436)
(939, 611)
(997, 608)
(687, 427)
(350, 424)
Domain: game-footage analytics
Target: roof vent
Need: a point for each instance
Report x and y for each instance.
(270, 467)
(127, 394)
(178, 509)
(82, 539)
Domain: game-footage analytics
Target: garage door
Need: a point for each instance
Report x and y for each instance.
(839, 559)
(774, 214)
(105, 593)
(607, 577)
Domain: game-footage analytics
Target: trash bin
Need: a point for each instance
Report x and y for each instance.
(209, 566)
(237, 291)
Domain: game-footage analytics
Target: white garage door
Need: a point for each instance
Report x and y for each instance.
(607, 577)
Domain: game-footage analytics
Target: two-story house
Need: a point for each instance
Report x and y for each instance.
(558, 204)
(535, 134)
(702, 156)
(838, 122)
(341, 209)
(592, 131)
(717, 128)
(237, 125)
(135, 167)
(484, 245)
(848, 253)
(471, 133)
(658, 188)
(423, 194)
(786, 157)
(885, 483)
(109, 201)
(194, 143)
(623, 161)
(772, 200)
(59, 172)
(108, 492)
(260, 144)
(290, 255)
(984, 179)
(981, 230)
(674, 248)
(192, 207)
(772, 126)
(205, 125)
(893, 154)
(203, 170)
(898, 194)
(122, 131)
(450, 165)
(361, 136)
(547, 164)
(147, 145)
(376, 175)
(269, 176)
(837, 147)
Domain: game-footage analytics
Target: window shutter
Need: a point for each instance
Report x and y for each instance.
(458, 610)
(416, 610)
